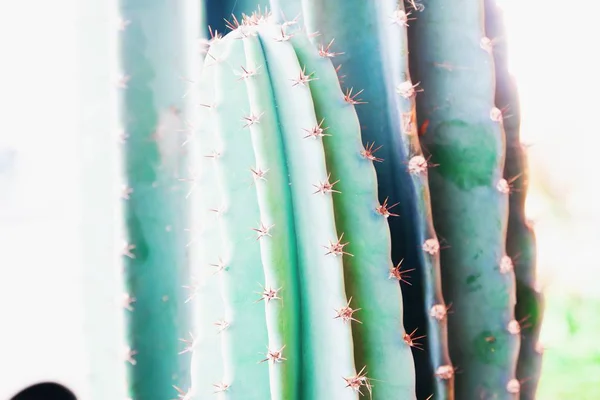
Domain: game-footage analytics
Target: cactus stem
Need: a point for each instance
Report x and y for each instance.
(369, 152)
(263, 230)
(274, 356)
(384, 209)
(359, 380)
(346, 313)
(411, 340)
(396, 273)
(303, 79)
(337, 248)
(325, 51)
(352, 98)
(316, 131)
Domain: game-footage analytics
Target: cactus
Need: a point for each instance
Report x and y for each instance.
(451, 57)
(153, 40)
(520, 240)
(283, 157)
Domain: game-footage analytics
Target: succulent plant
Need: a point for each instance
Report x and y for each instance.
(313, 292)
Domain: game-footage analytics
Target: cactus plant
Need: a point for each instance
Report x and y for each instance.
(374, 65)
(153, 40)
(284, 157)
(520, 239)
(451, 57)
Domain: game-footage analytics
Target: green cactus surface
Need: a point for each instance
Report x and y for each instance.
(371, 46)
(451, 57)
(296, 295)
(153, 40)
(520, 240)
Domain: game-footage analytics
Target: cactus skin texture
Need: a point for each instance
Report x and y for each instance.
(318, 242)
(520, 241)
(152, 43)
(376, 61)
(452, 59)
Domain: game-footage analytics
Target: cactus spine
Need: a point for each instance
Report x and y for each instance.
(451, 57)
(324, 255)
(520, 240)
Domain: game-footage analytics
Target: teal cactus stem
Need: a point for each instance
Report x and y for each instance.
(380, 342)
(374, 64)
(451, 57)
(153, 49)
(266, 166)
(520, 242)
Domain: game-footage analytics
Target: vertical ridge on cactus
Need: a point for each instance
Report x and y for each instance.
(450, 56)
(520, 241)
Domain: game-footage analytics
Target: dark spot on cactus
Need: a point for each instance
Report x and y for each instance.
(472, 282)
(467, 154)
(489, 347)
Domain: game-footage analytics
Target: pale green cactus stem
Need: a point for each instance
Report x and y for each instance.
(275, 162)
(451, 57)
(520, 241)
(153, 114)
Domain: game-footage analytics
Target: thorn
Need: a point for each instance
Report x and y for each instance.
(325, 52)
(352, 99)
(214, 155)
(419, 164)
(513, 386)
(126, 251)
(247, 73)
(513, 327)
(252, 119)
(263, 230)
(410, 340)
(129, 356)
(125, 192)
(267, 294)
(337, 248)
(232, 25)
(396, 273)
(431, 246)
(316, 131)
(220, 266)
(127, 301)
(506, 265)
(438, 311)
(193, 288)
(407, 90)
(221, 387)
(400, 17)
(122, 24)
(444, 372)
(359, 380)
(189, 344)
(369, 153)
(384, 210)
(221, 325)
(326, 187)
(284, 36)
(181, 395)
(486, 44)
(496, 115)
(122, 136)
(303, 79)
(259, 173)
(123, 81)
(274, 356)
(345, 313)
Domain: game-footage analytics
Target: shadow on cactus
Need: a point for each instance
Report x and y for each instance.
(295, 293)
